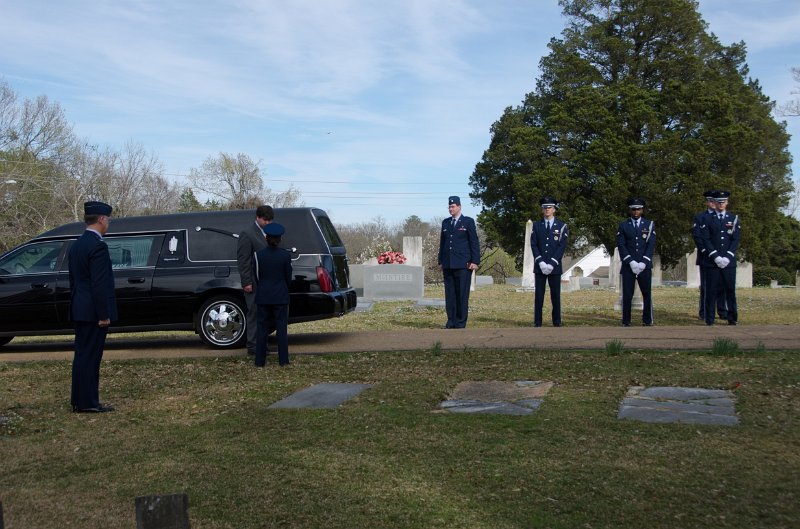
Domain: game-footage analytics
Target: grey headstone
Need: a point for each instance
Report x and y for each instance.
(393, 281)
(162, 512)
(321, 396)
(744, 275)
(692, 270)
(484, 280)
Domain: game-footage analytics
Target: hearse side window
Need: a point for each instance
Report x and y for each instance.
(212, 245)
(133, 252)
(329, 232)
(34, 258)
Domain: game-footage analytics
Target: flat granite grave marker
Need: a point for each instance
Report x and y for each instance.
(170, 511)
(521, 397)
(321, 396)
(677, 404)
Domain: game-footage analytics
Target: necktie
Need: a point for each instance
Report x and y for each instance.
(453, 221)
(548, 226)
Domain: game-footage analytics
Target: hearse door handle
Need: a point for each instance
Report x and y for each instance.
(136, 280)
(39, 285)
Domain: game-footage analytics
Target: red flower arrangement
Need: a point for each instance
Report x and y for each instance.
(391, 258)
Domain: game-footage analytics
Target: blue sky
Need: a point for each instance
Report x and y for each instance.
(370, 108)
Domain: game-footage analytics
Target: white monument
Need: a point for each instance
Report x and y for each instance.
(528, 282)
(412, 249)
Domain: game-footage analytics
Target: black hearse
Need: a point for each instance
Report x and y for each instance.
(175, 272)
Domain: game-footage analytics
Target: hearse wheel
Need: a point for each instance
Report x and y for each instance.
(223, 321)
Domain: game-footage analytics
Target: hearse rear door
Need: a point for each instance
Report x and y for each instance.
(133, 260)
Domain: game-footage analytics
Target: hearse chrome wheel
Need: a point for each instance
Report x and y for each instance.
(223, 322)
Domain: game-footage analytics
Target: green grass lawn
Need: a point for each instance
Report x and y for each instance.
(387, 458)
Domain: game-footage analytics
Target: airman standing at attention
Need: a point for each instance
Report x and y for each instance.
(636, 241)
(720, 237)
(548, 242)
(459, 255)
(711, 209)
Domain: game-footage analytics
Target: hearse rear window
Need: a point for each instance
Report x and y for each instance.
(329, 232)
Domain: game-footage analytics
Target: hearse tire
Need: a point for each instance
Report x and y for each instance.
(222, 322)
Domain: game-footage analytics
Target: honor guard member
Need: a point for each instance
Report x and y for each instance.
(93, 306)
(636, 241)
(459, 255)
(711, 209)
(720, 237)
(273, 270)
(548, 242)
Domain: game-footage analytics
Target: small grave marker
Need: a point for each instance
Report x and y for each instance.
(321, 396)
(162, 512)
(677, 404)
(521, 397)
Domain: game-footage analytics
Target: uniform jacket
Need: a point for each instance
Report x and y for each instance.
(636, 244)
(549, 247)
(273, 269)
(251, 240)
(458, 244)
(91, 280)
(720, 238)
(699, 220)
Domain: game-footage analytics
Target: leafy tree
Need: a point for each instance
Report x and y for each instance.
(636, 98)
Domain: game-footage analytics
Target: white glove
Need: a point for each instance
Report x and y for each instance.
(726, 261)
(543, 267)
(642, 266)
(549, 270)
(720, 261)
(634, 267)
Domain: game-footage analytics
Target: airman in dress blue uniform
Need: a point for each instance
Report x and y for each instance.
(93, 306)
(273, 272)
(636, 241)
(459, 255)
(720, 237)
(711, 209)
(548, 242)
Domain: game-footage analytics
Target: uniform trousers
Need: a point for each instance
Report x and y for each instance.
(722, 307)
(628, 284)
(272, 317)
(721, 279)
(89, 341)
(540, 280)
(456, 296)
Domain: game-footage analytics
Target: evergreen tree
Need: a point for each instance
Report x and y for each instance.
(636, 99)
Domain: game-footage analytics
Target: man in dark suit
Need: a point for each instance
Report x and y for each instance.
(459, 256)
(251, 240)
(699, 220)
(548, 242)
(273, 271)
(93, 306)
(636, 242)
(720, 237)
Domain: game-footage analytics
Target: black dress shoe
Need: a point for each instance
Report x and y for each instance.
(98, 409)
(731, 323)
